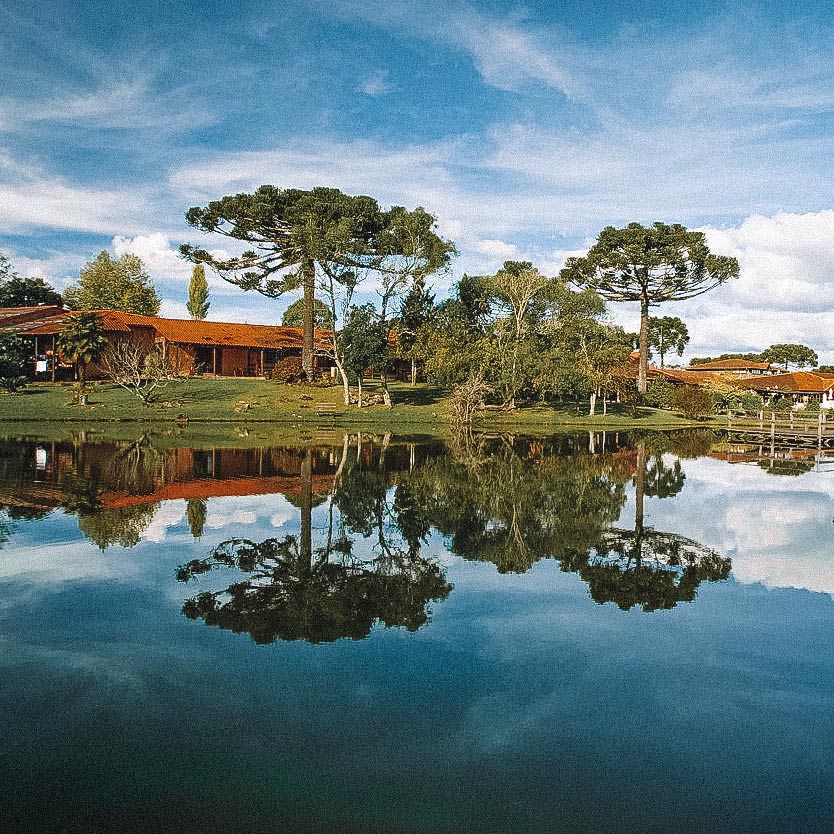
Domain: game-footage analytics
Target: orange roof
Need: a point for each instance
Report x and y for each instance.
(12, 316)
(731, 365)
(795, 382)
(191, 332)
(180, 331)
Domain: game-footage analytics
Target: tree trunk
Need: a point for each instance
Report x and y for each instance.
(386, 394)
(642, 372)
(359, 387)
(306, 507)
(593, 404)
(308, 272)
(343, 375)
(413, 372)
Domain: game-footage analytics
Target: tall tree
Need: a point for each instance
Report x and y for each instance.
(198, 294)
(291, 233)
(415, 313)
(800, 356)
(82, 341)
(666, 334)
(114, 284)
(649, 265)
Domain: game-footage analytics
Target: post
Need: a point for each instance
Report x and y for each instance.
(214, 361)
(761, 419)
(54, 358)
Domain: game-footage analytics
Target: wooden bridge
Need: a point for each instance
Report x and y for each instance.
(781, 429)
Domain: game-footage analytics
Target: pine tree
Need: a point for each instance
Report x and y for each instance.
(198, 294)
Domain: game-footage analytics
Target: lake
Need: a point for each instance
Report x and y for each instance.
(581, 633)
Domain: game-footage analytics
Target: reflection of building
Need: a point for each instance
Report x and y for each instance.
(129, 475)
(207, 347)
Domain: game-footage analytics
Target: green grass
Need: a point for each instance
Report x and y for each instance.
(242, 406)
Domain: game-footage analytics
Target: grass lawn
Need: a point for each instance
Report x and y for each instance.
(246, 402)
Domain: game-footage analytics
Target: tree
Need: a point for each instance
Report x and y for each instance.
(82, 341)
(294, 315)
(666, 334)
(108, 284)
(415, 313)
(15, 355)
(198, 294)
(693, 401)
(650, 266)
(24, 292)
(291, 233)
(364, 343)
(138, 368)
(196, 512)
(800, 356)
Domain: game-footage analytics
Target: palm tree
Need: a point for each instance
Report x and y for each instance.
(82, 341)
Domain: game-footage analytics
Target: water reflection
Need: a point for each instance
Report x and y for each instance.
(504, 500)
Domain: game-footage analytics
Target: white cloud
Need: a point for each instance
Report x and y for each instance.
(497, 249)
(376, 84)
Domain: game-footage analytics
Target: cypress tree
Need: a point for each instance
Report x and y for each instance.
(198, 300)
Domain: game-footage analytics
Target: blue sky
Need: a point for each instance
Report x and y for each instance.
(524, 128)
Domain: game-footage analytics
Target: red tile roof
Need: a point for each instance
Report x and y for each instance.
(797, 382)
(180, 331)
(731, 365)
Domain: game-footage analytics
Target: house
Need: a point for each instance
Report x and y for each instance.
(192, 347)
(800, 386)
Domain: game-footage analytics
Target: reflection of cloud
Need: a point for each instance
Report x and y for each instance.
(169, 514)
(776, 530)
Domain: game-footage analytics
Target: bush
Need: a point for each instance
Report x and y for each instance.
(812, 407)
(692, 401)
(781, 405)
(15, 354)
(659, 393)
(288, 369)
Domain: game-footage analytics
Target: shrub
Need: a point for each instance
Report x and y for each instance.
(288, 369)
(692, 401)
(14, 356)
(781, 405)
(812, 407)
(659, 393)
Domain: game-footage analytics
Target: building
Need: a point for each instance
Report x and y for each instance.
(192, 347)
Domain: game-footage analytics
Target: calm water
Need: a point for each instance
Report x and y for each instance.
(603, 634)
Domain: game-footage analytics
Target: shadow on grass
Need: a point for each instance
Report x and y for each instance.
(416, 396)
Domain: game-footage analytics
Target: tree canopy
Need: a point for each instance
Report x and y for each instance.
(294, 315)
(649, 265)
(16, 291)
(799, 356)
(290, 232)
(106, 283)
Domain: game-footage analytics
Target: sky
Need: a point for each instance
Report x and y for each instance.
(524, 128)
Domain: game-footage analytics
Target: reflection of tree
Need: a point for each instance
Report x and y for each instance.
(116, 525)
(292, 591)
(129, 469)
(196, 510)
(513, 510)
(786, 466)
(287, 596)
(646, 567)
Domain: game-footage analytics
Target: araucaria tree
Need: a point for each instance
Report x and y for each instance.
(649, 265)
(108, 284)
(290, 233)
(800, 356)
(198, 295)
(24, 292)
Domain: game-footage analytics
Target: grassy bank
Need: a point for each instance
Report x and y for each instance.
(244, 405)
